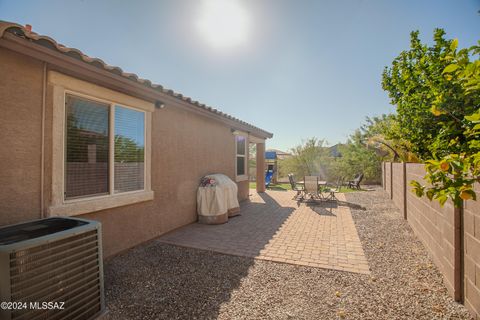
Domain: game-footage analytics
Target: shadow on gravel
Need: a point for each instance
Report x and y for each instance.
(273, 188)
(174, 281)
(161, 281)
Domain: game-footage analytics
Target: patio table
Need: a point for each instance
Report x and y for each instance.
(320, 183)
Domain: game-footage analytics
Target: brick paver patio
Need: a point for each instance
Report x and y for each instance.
(274, 227)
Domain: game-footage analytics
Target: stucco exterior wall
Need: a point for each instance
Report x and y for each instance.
(20, 143)
(185, 147)
(243, 190)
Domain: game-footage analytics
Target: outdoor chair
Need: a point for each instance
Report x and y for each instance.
(295, 187)
(334, 188)
(312, 187)
(355, 183)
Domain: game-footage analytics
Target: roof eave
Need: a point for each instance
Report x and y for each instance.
(109, 78)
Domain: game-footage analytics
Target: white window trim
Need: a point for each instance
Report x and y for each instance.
(63, 85)
(243, 177)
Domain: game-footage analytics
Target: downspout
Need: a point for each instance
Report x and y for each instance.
(42, 152)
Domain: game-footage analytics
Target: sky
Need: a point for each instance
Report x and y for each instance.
(298, 69)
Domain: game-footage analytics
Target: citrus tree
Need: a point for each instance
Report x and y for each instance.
(436, 91)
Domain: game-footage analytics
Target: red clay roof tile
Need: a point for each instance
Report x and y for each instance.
(20, 31)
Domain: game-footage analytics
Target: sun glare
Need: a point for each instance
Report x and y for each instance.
(223, 23)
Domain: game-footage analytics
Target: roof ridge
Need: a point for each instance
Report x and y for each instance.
(20, 31)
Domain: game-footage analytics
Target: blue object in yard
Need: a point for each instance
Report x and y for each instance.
(270, 155)
(268, 177)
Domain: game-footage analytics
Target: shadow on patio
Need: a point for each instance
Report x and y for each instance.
(326, 207)
(245, 235)
(169, 279)
(274, 227)
(171, 282)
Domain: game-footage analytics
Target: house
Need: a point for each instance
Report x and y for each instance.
(272, 156)
(83, 138)
(279, 154)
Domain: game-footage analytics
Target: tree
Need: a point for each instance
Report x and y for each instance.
(312, 157)
(417, 86)
(308, 158)
(453, 176)
(252, 155)
(127, 150)
(437, 96)
(383, 134)
(357, 157)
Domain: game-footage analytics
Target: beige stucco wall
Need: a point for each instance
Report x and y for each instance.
(185, 147)
(20, 132)
(243, 190)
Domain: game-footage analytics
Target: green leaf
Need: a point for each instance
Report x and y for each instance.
(436, 111)
(450, 68)
(454, 44)
(442, 199)
(430, 193)
(474, 144)
(415, 184)
(417, 188)
(473, 117)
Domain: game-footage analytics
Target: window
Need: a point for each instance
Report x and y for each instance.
(87, 148)
(101, 147)
(241, 156)
(88, 143)
(129, 150)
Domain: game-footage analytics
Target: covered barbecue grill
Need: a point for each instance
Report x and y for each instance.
(217, 199)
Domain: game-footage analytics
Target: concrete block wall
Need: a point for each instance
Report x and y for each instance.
(388, 178)
(436, 227)
(440, 229)
(472, 254)
(398, 188)
(383, 175)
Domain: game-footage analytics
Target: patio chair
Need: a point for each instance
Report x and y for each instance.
(355, 183)
(312, 187)
(295, 187)
(334, 188)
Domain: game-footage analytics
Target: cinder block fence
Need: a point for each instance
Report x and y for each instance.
(451, 235)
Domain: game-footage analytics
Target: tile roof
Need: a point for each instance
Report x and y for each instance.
(22, 32)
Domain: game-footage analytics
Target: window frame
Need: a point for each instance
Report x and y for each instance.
(111, 145)
(244, 176)
(65, 85)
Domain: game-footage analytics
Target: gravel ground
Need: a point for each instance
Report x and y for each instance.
(159, 281)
